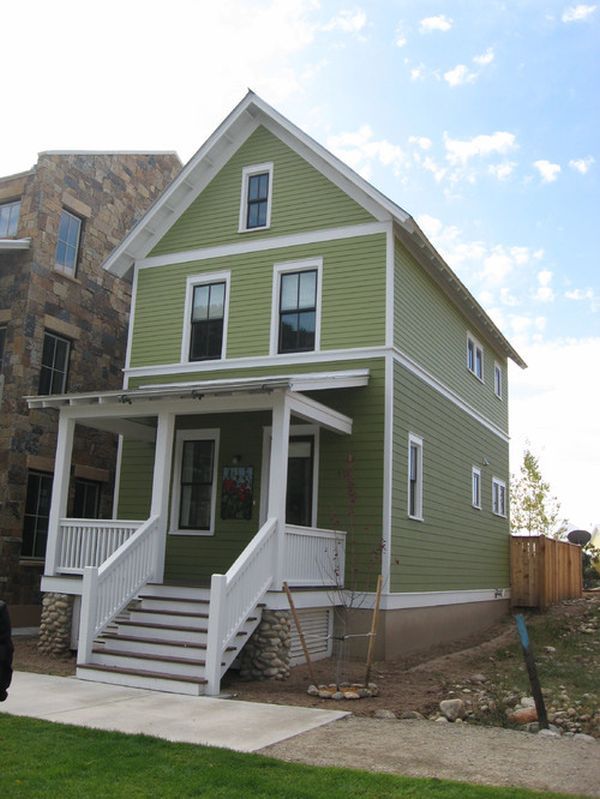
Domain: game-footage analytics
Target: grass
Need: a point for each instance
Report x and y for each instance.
(42, 760)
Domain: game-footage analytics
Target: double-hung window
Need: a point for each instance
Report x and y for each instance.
(498, 380)
(205, 325)
(474, 357)
(55, 364)
(257, 191)
(86, 499)
(296, 307)
(37, 515)
(195, 482)
(9, 218)
(415, 477)
(476, 487)
(67, 246)
(498, 497)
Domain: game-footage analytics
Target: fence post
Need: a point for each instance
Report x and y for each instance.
(215, 634)
(89, 599)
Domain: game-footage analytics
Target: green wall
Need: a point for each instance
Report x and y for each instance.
(456, 546)
(433, 332)
(303, 199)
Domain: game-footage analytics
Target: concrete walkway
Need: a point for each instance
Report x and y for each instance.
(243, 726)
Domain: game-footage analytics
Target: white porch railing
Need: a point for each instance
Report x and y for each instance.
(235, 594)
(314, 557)
(107, 589)
(89, 542)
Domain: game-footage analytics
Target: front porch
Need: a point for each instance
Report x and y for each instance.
(188, 536)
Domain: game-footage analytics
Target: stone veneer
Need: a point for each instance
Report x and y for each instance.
(109, 192)
(266, 656)
(55, 626)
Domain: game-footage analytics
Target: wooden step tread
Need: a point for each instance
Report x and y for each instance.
(184, 614)
(172, 599)
(156, 626)
(141, 673)
(100, 650)
(161, 641)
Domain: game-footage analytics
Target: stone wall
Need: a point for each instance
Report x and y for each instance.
(55, 624)
(266, 656)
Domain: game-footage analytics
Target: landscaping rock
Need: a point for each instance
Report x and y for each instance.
(413, 715)
(452, 709)
(384, 713)
(582, 738)
(523, 715)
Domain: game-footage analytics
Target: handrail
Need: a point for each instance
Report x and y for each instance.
(235, 594)
(314, 557)
(107, 589)
(89, 542)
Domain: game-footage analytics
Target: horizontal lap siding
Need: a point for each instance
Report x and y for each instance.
(353, 286)
(135, 484)
(433, 332)
(303, 199)
(457, 546)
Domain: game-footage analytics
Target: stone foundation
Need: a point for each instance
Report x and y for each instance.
(55, 626)
(266, 656)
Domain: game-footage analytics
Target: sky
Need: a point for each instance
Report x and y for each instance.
(480, 119)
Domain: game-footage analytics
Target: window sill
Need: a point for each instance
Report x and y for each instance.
(66, 275)
(476, 507)
(476, 376)
(253, 229)
(416, 518)
(500, 515)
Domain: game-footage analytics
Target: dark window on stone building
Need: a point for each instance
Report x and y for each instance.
(2, 342)
(9, 218)
(37, 513)
(67, 246)
(86, 501)
(55, 364)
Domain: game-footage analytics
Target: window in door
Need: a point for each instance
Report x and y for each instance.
(299, 497)
(195, 482)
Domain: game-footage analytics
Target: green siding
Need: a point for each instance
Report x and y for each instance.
(456, 547)
(303, 199)
(135, 485)
(353, 286)
(433, 332)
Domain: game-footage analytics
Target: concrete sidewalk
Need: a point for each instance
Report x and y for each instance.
(243, 726)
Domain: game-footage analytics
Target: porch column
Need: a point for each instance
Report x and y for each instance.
(60, 490)
(161, 481)
(280, 443)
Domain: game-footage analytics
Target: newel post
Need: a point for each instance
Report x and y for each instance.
(280, 443)
(215, 634)
(60, 489)
(161, 480)
(89, 599)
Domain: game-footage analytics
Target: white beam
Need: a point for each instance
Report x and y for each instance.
(316, 412)
(122, 427)
(280, 443)
(161, 482)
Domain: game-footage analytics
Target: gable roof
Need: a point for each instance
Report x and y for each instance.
(251, 112)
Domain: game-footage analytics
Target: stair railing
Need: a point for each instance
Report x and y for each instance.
(234, 595)
(108, 588)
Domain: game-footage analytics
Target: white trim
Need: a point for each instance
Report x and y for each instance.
(247, 173)
(117, 485)
(15, 244)
(501, 485)
(427, 599)
(204, 279)
(279, 269)
(388, 471)
(416, 441)
(207, 434)
(498, 380)
(476, 500)
(389, 288)
(130, 326)
(263, 245)
(477, 346)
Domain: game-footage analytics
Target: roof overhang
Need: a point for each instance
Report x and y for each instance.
(14, 244)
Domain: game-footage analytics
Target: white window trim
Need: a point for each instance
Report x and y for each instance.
(279, 270)
(418, 441)
(475, 500)
(210, 434)
(501, 484)
(498, 383)
(191, 283)
(477, 345)
(247, 172)
(64, 270)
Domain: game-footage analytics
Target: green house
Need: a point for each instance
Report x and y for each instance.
(312, 397)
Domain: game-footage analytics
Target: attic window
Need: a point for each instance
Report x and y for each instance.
(255, 204)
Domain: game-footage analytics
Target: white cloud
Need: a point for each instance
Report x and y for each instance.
(506, 298)
(578, 13)
(429, 165)
(417, 73)
(422, 141)
(361, 150)
(439, 23)
(582, 165)
(497, 266)
(589, 295)
(503, 170)
(347, 21)
(459, 75)
(401, 39)
(544, 277)
(459, 152)
(484, 58)
(559, 377)
(548, 171)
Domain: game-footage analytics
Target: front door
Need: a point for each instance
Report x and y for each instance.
(299, 497)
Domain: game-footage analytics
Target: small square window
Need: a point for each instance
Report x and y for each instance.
(498, 380)
(9, 218)
(67, 245)
(415, 477)
(257, 191)
(55, 364)
(498, 497)
(37, 515)
(474, 357)
(476, 487)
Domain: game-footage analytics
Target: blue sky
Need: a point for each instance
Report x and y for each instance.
(480, 119)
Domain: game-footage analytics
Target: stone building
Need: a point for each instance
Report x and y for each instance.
(63, 322)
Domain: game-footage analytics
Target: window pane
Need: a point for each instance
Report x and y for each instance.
(288, 333)
(200, 303)
(4, 219)
(263, 186)
(253, 187)
(9, 218)
(68, 241)
(253, 215)
(261, 214)
(306, 330)
(217, 301)
(48, 350)
(60, 354)
(308, 290)
(197, 462)
(289, 292)
(195, 507)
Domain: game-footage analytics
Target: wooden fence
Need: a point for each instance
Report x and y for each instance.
(544, 571)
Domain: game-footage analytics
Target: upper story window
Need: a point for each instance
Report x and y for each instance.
(67, 246)
(498, 380)
(476, 487)
(498, 497)
(415, 477)
(9, 218)
(37, 514)
(257, 191)
(55, 364)
(474, 357)
(296, 307)
(2, 343)
(205, 327)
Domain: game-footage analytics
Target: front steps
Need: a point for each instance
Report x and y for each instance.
(159, 642)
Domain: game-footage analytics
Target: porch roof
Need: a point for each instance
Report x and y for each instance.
(316, 381)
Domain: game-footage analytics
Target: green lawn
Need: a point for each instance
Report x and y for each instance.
(41, 760)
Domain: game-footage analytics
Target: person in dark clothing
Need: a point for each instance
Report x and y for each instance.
(6, 651)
